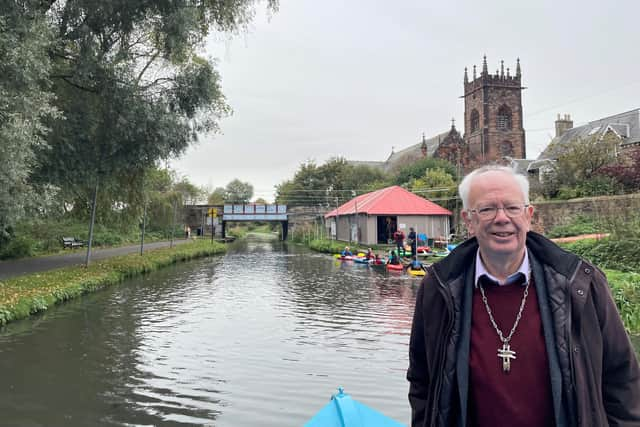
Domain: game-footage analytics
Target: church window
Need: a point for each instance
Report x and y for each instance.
(506, 149)
(475, 120)
(503, 120)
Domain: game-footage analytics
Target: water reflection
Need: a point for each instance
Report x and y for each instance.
(260, 336)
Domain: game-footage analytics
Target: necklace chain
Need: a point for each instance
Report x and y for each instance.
(515, 324)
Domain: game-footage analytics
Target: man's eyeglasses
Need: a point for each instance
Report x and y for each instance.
(490, 212)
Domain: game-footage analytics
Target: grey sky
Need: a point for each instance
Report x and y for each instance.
(353, 78)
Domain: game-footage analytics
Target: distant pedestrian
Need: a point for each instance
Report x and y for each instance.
(398, 236)
(413, 241)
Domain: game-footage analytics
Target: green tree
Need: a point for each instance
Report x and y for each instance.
(217, 196)
(131, 86)
(577, 171)
(190, 194)
(417, 170)
(436, 185)
(334, 182)
(27, 101)
(307, 187)
(238, 192)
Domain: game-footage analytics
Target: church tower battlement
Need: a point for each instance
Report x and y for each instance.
(493, 128)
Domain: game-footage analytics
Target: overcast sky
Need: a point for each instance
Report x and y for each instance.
(354, 78)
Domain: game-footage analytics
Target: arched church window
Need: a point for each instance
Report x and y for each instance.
(475, 120)
(506, 149)
(503, 120)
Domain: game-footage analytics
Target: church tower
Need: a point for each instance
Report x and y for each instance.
(492, 117)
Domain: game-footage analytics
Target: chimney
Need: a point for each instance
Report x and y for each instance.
(563, 124)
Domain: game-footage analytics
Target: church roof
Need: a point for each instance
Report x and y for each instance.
(625, 125)
(414, 152)
(393, 200)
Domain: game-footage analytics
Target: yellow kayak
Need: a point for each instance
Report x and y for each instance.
(420, 272)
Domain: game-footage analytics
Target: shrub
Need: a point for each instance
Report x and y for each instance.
(18, 247)
(580, 225)
(625, 288)
(611, 253)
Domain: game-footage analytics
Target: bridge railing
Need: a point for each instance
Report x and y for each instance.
(253, 212)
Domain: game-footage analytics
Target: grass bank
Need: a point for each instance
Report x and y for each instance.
(25, 295)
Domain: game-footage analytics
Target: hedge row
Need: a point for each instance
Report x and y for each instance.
(611, 253)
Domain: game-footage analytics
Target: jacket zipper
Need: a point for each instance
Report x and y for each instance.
(441, 352)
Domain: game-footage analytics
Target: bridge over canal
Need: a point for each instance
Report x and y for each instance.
(212, 220)
(205, 219)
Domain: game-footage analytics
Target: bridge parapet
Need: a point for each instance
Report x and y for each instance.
(252, 212)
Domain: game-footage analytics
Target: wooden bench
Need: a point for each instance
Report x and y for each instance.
(71, 242)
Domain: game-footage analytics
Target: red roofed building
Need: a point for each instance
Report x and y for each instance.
(372, 218)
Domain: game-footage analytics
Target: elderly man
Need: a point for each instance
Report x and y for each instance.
(511, 330)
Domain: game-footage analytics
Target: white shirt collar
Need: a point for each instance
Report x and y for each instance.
(481, 270)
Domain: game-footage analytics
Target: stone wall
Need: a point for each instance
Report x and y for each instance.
(561, 212)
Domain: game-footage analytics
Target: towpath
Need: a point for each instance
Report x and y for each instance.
(18, 267)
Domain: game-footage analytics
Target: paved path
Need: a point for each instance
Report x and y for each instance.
(12, 268)
(580, 237)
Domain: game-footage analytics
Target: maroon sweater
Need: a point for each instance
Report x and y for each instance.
(522, 396)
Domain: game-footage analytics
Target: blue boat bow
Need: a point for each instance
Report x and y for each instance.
(343, 411)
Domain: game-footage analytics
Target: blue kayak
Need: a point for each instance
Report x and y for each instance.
(343, 411)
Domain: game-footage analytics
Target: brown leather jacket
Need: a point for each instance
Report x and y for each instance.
(598, 377)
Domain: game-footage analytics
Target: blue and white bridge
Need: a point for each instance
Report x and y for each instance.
(253, 212)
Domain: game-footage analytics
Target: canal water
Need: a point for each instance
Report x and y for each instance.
(261, 336)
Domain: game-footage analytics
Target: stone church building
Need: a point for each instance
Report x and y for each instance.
(493, 128)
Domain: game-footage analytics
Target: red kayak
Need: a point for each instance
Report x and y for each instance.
(395, 267)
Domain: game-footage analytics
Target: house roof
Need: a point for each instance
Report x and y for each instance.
(393, 200)
(625, 125)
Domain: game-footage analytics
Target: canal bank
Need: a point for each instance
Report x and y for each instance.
(28, 294)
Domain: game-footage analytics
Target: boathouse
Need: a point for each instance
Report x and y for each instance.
(372, 218)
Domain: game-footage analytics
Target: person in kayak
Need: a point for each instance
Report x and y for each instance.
(415, 264)
(394, 259)
(370, 254)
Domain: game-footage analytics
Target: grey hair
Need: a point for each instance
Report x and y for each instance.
(465, 185)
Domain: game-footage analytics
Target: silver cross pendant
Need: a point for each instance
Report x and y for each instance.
(507, 354)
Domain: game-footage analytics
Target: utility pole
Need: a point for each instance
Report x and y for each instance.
(357, 227)
(337, 218)
(93, 219)
(173, 222)
(144, 226)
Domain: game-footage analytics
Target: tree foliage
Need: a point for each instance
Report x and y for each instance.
(26, 102)
(329, 184)
(238, 192)
(217, 196)
(418, 169)
(577, 171)
(434, 184)
(625, 170)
